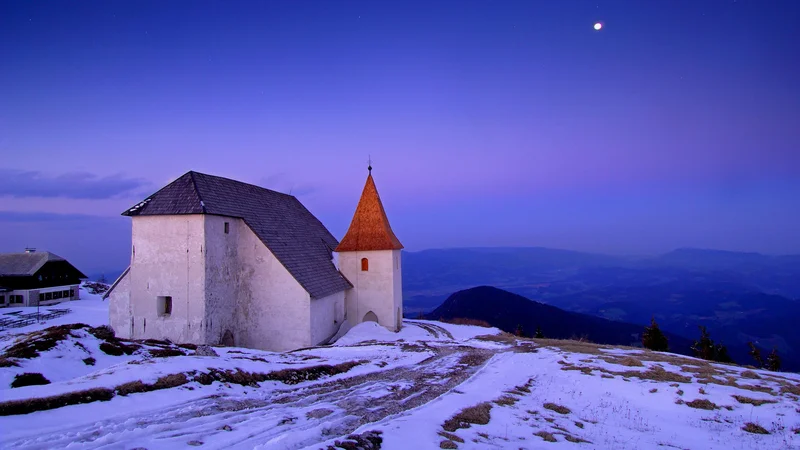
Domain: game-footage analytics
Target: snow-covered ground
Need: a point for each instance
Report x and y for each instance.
(432, 385)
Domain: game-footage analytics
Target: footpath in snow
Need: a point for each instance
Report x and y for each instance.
(431, 385)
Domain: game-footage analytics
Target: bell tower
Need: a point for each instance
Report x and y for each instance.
(369, 256)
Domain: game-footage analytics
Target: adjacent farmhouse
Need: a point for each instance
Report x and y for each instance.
(218, 261)
(37, 278)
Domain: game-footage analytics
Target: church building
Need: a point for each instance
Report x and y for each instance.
(220, 262)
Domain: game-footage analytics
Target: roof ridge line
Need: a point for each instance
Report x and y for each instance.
(197, 191)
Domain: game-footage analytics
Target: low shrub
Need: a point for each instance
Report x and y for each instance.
(29, 379)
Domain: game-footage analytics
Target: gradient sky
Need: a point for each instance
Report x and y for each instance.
(489, 123)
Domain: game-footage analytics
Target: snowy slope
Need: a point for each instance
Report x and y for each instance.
(419, 388)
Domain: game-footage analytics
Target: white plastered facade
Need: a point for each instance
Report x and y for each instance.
(225, 288)
(377, 290)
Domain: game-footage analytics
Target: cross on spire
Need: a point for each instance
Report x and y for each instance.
(369, 164)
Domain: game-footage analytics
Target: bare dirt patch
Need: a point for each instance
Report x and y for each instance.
(369, 440)
(319, 413)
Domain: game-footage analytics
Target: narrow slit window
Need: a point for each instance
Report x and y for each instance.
(164, 306)
(227, 227)
(364, 264)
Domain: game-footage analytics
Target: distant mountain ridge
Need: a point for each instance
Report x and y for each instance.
(740, 297)
(507, 311)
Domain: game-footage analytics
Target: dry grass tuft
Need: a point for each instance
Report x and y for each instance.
(656, 373)
(572, 346)
(467, 321)
(750, 374)
(579, 424)
(478, 415)
(505, 338)
(446, 444)
(628, 361)
(451, 436)
(546, 436)
(40, 341)
(575, 439)
(754, 428)
(506, 400)
(654, 390)
(557, 408)
(583, 370)
(5, 362)
(752, 401)
(57, 401)
(702, 404)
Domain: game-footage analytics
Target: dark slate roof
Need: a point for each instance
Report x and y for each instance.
(26, 264)
(298, 239)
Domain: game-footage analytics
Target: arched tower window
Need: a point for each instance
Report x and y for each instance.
(364, 264)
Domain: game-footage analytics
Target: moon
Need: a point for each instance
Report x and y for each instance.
(598, 26)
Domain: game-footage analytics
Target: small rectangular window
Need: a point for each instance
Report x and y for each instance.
(41, 297)
(227, 227)
(48, 295)
(2, 299)
(164, 305)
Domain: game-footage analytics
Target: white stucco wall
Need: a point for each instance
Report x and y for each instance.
(226, 288)
(378, 289)
(120, 316)
(273, 310)
(327, 315)
(222, 283)
(168, 260)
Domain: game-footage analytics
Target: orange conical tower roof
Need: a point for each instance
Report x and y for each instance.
(370, 228)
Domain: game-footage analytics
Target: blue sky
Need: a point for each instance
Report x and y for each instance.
(502, 123)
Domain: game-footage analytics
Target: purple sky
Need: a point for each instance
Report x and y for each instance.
(489, 123)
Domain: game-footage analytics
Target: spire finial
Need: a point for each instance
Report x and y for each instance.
(369, 164)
